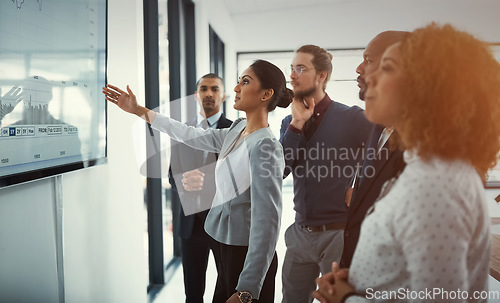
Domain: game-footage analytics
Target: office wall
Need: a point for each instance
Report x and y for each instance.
(351, 24)
(215, 14)
(103, 206)
(27, 243)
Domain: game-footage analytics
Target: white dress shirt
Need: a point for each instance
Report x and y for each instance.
(212, 120)
(212, 123)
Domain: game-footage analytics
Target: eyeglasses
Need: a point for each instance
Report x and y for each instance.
(299, 69)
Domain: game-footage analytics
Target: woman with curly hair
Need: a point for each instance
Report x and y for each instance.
(427, 238)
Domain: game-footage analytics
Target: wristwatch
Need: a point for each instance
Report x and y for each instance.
(245, 297)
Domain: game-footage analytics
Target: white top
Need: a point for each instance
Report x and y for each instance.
(431, 231)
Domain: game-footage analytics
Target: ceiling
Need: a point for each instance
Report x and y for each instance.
(242, 7)
(263, 25)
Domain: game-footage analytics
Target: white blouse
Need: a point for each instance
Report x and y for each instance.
(428, 239)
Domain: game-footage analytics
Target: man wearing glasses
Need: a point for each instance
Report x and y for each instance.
(323, 142)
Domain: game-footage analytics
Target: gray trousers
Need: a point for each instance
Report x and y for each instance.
(308, 254)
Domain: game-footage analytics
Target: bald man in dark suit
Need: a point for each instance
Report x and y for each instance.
(382, 163)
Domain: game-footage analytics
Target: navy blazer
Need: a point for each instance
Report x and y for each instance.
(366, 193)
(185, 158)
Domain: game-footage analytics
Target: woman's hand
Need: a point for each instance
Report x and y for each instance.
(125, 101)
(333, 286)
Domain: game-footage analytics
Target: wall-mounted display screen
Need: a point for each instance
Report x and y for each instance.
(52, 68)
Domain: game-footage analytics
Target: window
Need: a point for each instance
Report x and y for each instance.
(217, 57)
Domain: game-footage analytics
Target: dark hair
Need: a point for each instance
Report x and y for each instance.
(271, 77)
(322, 60)
(209, 76)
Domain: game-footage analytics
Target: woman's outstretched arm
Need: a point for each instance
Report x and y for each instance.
(128, 102)
(210, 140)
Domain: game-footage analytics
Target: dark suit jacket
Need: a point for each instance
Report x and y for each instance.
(388, 165)
(183, 159)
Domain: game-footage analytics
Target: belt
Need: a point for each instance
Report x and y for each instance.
(332, 226)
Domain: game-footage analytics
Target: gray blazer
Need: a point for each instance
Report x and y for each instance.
(246, 210)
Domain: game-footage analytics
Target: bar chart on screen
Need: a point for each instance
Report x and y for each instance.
(51, 113)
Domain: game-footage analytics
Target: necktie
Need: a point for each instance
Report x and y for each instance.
(371, 150)
(205, 125)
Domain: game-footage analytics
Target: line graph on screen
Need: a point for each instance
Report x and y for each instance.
(19, 4)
